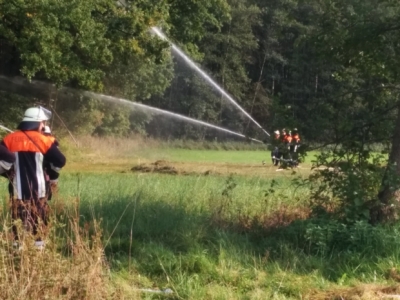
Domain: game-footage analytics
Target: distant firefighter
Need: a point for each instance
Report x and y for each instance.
(275, 153)
(286, 140)
(294, 147)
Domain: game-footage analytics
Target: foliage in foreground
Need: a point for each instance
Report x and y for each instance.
(347, 183)
(72, 266)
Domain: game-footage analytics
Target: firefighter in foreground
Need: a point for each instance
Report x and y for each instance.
(32, 148)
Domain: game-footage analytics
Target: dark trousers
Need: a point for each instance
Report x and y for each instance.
(276, 156)
(32, 213)
(294, 155)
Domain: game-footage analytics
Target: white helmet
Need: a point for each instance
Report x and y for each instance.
(36, 114)
(47, 130)
(276, 131)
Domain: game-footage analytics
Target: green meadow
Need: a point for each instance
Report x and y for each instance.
(225, 236)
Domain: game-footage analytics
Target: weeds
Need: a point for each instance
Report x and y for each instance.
(77, 270)
(348, 188)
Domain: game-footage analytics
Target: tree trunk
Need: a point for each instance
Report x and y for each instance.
(389, 194)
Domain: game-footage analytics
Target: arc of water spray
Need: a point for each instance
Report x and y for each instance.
(205, 76)
(158, 110)
(11, 83)
(5, 128)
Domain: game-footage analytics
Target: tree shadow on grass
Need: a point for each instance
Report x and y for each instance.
(330, 246)
(162, 237)
(131, 220)
(156, 236)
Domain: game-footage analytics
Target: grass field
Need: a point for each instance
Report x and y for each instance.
(243, 231)
(186, 235)
(121, 156)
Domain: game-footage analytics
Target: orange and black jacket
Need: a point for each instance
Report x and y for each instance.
(287, 139)
(53, 139)
(31, 148)
(296, 138)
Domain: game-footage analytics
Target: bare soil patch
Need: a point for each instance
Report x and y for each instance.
(212, 168)
(164, 167)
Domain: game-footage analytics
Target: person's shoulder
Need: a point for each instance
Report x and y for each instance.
(38, 137)
(12, 135)
(48, 140)
(51, 138)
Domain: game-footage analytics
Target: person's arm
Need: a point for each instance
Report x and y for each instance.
(7, 158)
(56, 161)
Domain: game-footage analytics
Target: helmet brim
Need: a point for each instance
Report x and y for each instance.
(29, 119)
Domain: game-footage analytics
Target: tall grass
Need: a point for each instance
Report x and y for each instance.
(228, 238)
(72, 265)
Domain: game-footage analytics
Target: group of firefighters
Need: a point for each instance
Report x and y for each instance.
(31, 160)
(285, 146)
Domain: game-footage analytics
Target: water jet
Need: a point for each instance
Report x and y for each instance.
(35, 88)
(205, 76)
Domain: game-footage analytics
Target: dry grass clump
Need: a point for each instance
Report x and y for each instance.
(360, 292)
(282, 217)
(72, 265)
(114, 146)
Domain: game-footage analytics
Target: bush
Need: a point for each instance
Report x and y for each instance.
(347, 186)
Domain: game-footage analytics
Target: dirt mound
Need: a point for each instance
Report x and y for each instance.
(157, 167)
(163, 167)
(160, 163)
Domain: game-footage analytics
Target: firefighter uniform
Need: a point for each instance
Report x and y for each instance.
(286, 141)
(295, 145)
(31, 149)
(275, 153)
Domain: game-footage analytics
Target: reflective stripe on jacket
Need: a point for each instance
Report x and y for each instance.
(31, 148)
